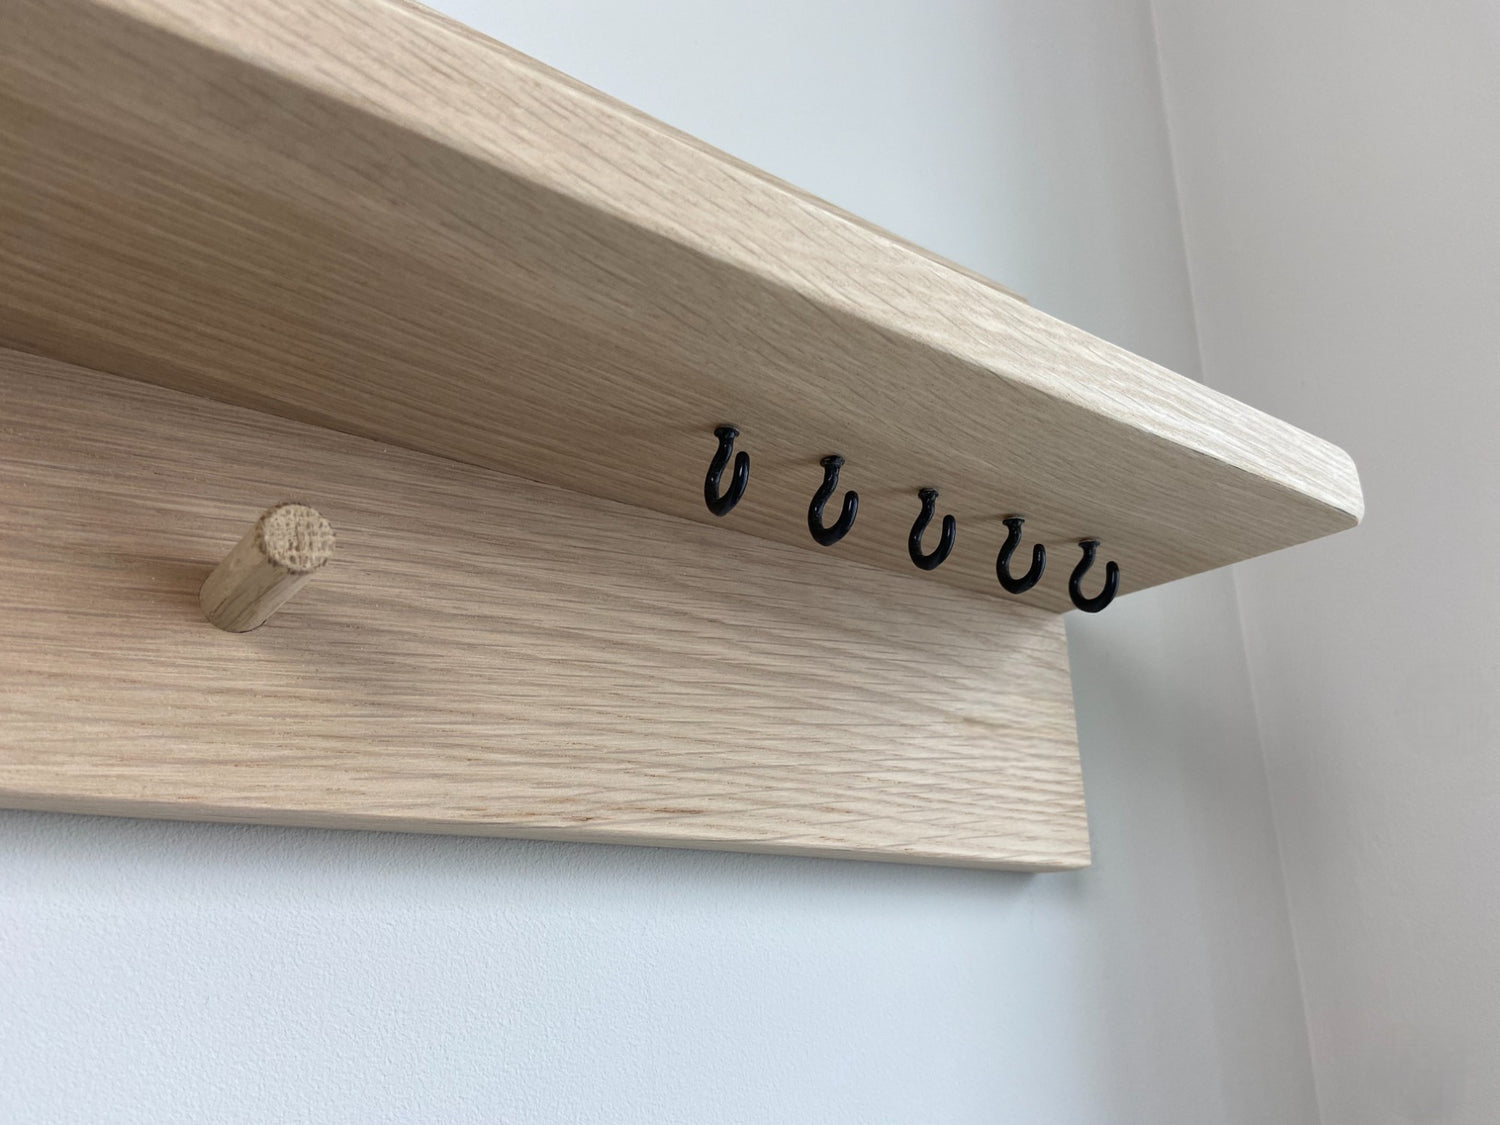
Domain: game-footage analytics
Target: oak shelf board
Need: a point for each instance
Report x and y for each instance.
(487, 655)
(362, 215)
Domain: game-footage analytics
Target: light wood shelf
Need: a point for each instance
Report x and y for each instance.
(487, 320)
(359, 214)
(492, 656)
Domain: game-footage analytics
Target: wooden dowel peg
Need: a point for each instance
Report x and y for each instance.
(276, 558)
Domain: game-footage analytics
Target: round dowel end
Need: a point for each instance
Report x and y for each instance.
(295, 537)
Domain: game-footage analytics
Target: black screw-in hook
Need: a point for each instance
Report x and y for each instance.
(722, 505)
(1111, 580)
(944, 548)
(1002, 564)
(828, 536)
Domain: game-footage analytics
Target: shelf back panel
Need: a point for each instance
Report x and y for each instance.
(489, 655)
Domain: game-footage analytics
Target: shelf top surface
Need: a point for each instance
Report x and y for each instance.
(362, 215)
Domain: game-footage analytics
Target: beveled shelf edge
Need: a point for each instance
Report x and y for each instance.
(134, 809)
(361, 214)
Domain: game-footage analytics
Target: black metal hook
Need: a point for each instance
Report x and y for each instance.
(1002, 564)
(722, 505)
(1111, 580)
(828, 536)
(944, 548)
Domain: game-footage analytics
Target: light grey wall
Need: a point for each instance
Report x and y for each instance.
(1340, 177)
(163, 973)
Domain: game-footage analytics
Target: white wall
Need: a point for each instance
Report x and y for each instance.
(161, 973)
(1340, 179)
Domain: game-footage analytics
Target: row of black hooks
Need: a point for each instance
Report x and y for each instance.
(721, 503)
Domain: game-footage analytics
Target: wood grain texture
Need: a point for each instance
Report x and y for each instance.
(358, 214)
(490, 655)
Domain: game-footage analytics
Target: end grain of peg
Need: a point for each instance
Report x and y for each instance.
(276, 558)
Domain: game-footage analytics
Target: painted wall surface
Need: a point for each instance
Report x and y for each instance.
(175, 973)
(1340, 179)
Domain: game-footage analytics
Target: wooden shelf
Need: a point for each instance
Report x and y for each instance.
(492, 656)
(487, 320)
(358, 214)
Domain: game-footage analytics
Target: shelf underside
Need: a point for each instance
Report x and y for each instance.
(357, 214)
(494, 656)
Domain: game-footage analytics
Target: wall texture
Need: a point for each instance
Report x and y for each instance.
(165, 973)
(1340, 181)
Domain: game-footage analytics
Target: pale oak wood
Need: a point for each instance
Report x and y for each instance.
(491, 655)
(287, 545)
(359, 214)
